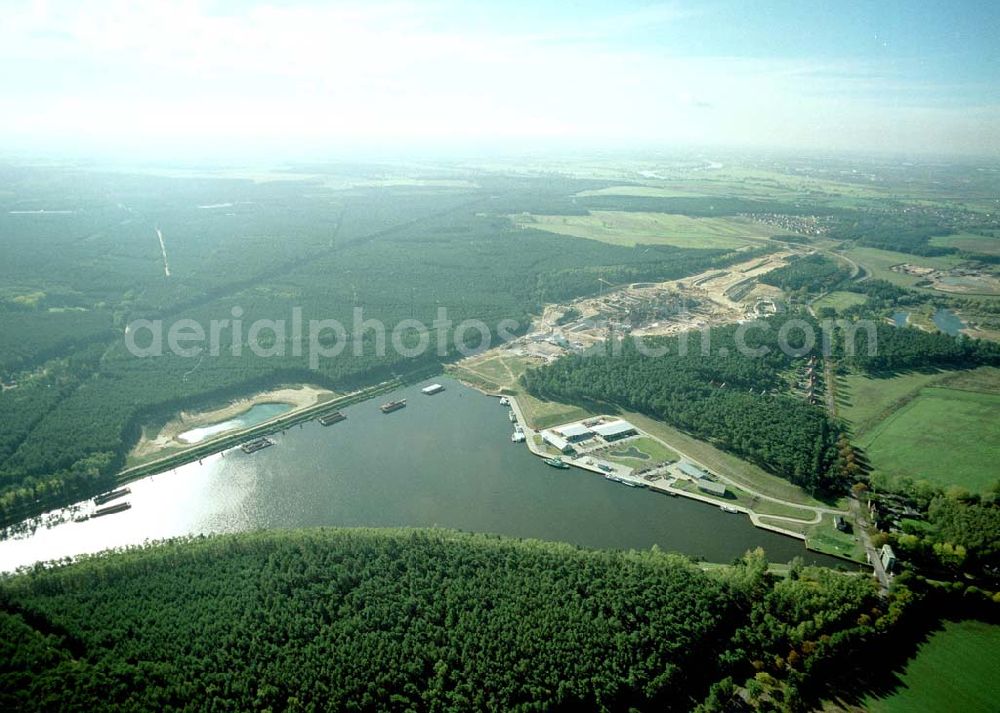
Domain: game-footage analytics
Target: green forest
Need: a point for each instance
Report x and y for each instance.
(423, 620)
(740, 400)
(812, 273)
(75, 279)
(737, 401)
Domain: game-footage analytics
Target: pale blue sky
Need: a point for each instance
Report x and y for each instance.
(162, 77)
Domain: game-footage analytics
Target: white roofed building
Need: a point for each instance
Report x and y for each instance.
(573, 432)
(615, 430)
(557, 442)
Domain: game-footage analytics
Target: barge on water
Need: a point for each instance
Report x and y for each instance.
(432, 389)
(112, 495)
(111, 509)
(393, 406)
(331, 418)
(256, 444)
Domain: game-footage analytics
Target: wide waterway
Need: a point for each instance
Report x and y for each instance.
(444, 460)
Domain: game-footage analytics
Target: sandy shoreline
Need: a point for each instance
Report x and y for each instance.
(295, 396)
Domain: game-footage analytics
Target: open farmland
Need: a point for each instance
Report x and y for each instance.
(946, 436)
(839, 300)
(970, 242)
(955, 670)
(877, 262)
(864, 401)
(644, 228)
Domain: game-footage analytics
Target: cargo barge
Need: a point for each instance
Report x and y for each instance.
(331, 418)
(111, 509)
(393, 406)
(113, 495)
(432, 389)
(256, 445)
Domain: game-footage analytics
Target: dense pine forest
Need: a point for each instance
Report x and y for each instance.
(421, 620)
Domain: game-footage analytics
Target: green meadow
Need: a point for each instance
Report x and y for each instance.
(955, 670)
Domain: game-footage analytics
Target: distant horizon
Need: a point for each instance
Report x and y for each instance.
(457, 153)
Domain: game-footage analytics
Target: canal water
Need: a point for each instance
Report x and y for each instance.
(256, 414)
(444, 460)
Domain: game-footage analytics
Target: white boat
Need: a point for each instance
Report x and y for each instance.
(729, 509)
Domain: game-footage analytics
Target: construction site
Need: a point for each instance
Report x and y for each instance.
(714, 297)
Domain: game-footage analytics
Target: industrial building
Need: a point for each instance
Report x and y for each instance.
(615, 430)
(557, 442)
(712, 487)
(691, 470)
(573, 433)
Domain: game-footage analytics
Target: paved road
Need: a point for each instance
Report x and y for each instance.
(861, 522)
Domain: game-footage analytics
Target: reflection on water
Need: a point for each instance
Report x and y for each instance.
(256, 414)
(444, 460)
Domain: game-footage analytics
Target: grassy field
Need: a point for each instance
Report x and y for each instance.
(724, 463)
(955, 670)
(738, 496)
(653, 450)
(946, 436)
(628, 228)
(839, 300)
(864, 401)
(878, 263)
(824, 537)
(970, 242)
(500, 373)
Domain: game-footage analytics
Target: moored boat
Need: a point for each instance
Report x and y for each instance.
(256, 445)
(393, 406)
(331, 418)
(114, 494)
(555, 462)
(111, 509)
